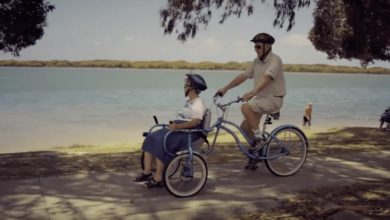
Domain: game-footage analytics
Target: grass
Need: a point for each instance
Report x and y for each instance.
(99, 149)
(181, 64)
(365, 199)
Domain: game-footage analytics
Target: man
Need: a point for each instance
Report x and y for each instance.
(307, 115)
(269, 88)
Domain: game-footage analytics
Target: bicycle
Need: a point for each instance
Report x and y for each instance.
(284, 151)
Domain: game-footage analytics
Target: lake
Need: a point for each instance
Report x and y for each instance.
(41, 108)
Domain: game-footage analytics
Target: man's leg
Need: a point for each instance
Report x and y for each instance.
(252, 118)
(251, 126)
(247, 128)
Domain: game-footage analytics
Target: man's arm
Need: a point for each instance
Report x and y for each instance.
(258, 88)
(235, 82)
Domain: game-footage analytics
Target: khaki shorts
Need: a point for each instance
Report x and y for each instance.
(265, 105)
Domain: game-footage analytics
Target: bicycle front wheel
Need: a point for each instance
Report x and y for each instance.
(286, 151)
(184, 177)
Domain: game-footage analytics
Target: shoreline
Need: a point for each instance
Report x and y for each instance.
(205, 65)
(135, 145)
(94, 146)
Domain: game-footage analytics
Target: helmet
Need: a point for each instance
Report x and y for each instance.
(197, 81)
(263, 38)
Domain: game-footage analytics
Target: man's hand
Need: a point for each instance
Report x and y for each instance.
(248, 96)
(221, 92)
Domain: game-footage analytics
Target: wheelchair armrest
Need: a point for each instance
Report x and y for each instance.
(189, 131)
(146, 133)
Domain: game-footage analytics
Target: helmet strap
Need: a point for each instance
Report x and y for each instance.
(187, 91)
(265, 53)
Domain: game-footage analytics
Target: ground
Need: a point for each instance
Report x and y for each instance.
(368, 198)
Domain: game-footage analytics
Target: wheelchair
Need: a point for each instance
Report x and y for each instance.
(186, 174)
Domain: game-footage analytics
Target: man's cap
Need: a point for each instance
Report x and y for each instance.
(263, 38)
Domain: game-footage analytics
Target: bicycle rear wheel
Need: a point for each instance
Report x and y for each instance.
(286, 151)
(182, 183)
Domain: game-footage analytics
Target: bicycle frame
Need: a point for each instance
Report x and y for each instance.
(220, 124)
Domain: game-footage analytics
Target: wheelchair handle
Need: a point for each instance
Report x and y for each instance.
(155, 119)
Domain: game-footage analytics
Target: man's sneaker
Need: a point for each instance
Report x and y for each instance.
(257, 144)
(252, 165)
(256, 150)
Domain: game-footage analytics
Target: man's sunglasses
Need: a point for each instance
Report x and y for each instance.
(257, 47)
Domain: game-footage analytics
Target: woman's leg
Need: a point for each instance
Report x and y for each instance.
(148, 159)
(160, 169)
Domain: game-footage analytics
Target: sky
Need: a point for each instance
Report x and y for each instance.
(130, 30)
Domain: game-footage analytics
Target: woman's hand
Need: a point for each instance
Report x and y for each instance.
(173, 126)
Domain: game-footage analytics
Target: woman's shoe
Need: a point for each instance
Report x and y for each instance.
(152, 183)
(142, 177)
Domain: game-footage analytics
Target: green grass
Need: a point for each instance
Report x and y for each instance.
(181, 64)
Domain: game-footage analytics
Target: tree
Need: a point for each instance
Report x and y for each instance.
(349, 29)
(194, 13)
(342, 28)
(22, 23)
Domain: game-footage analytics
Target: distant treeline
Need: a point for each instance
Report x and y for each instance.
(187, 65)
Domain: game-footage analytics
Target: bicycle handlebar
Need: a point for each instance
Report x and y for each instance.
(239, 99)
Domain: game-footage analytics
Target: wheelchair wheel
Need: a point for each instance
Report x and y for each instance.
(287, 151)
(180, 181)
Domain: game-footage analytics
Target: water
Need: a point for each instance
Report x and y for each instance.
(42, 108)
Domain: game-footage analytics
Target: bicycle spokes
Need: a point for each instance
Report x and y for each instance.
(286, 152)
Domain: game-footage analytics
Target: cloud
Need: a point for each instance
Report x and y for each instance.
(129, 39)
(296, 40)
(204, 49)
(209, 44)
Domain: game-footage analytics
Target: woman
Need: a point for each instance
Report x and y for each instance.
(189, 117)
